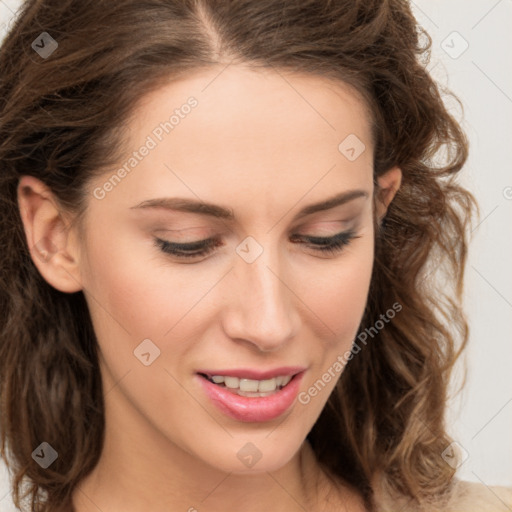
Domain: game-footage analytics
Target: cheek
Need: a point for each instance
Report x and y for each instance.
(338, 295)
(340, 303)
(132, 288)
(338, 300)
(134, 295)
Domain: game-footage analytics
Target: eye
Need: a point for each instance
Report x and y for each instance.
(190, 249)
(328, 245)
(325, 245)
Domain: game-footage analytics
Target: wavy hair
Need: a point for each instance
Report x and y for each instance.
(61, 121)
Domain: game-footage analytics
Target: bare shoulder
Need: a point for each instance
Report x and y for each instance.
(470, 497)
(464, 497)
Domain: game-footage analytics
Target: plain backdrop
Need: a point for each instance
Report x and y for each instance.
(471, 41)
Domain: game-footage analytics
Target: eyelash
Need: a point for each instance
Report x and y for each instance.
(325, 245)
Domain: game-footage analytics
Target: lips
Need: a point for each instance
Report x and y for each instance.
(229, 397)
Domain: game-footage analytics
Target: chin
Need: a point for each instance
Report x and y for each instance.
(254, 454)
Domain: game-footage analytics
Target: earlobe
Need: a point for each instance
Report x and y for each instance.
(389, 183)
(52, 247)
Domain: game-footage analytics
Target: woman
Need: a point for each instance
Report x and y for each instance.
(220, 221)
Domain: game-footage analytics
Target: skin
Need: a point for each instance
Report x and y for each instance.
(263, 144)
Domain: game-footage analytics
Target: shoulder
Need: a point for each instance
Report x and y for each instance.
(464, 497)
(470, 496)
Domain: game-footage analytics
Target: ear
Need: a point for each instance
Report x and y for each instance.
(51, 241)
(389, 183)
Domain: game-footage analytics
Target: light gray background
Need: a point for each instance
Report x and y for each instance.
(481, 76)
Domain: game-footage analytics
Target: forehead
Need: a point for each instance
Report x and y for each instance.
(250, 133)
(263, 99)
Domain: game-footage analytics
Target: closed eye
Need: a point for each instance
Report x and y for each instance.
(325, 245)
(328, 244)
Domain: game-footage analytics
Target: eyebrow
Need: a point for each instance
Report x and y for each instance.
(220, 212)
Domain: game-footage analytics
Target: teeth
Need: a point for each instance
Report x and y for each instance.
(267, 385)
(232, 382)
(251, 387)
(248, 385)
(282, 381)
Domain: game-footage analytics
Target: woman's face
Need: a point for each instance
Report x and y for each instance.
(272, 300)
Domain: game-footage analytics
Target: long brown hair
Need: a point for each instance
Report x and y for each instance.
(61, 119)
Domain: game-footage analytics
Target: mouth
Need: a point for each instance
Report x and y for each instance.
(250, 387)
(252, 396)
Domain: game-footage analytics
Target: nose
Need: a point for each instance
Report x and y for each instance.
(260, 309)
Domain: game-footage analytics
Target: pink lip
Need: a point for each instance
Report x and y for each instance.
(252, 409)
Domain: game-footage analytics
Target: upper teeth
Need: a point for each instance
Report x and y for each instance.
(261, 386)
